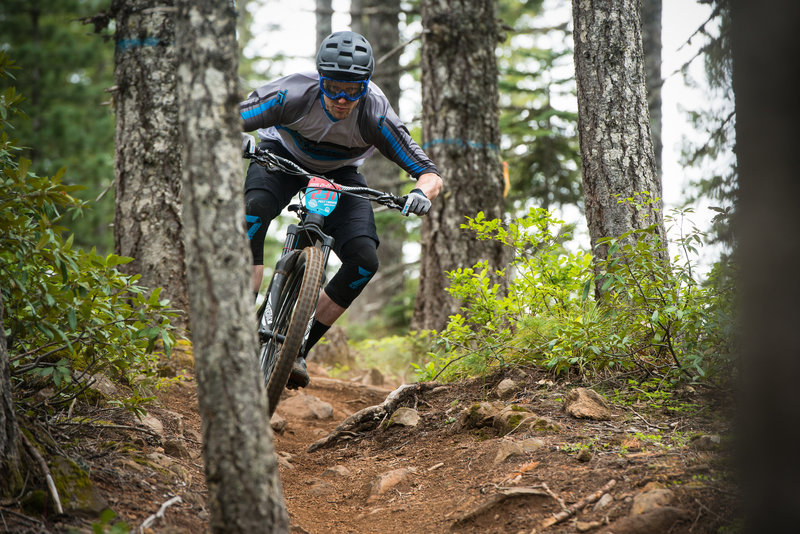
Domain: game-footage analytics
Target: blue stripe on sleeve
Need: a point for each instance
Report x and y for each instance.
(260, 109)
(404, 157)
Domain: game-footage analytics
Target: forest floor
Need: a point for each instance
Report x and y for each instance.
(658, 465)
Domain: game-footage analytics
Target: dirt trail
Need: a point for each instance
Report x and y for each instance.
(439, 477)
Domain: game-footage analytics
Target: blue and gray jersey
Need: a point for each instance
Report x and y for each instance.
(291, 110)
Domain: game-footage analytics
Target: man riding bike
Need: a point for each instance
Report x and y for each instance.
(329, 122)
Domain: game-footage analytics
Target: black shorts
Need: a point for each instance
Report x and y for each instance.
(268, 193)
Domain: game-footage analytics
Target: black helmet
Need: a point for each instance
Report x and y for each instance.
(345, 56)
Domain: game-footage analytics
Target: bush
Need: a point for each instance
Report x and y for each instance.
(653, 315)
(68, 312)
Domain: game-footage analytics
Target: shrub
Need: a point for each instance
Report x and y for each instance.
(68, 312)
(654, 315)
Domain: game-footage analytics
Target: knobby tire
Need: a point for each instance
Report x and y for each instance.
(296, 304)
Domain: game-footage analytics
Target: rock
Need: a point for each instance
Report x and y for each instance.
(603, 502)
(319, 487)
(657, 521)
(587, 404)
(506, 388)
(586, 526)
(159, 460)
(511, 418)
(172, 422)
(337, 471)
(404, 417)
(304, 406)
(75, 489)
(648, 501)
(285, 459)
(387, 481)
(480, 414)
(176, 449)
(706, 443)
(102, 385)
(531, 444)
(543, 424)
(333, 350)
(373, 378)
(154, 424)
(277, 423)
(506, 449)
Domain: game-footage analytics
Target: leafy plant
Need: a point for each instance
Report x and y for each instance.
(68, 313)
(653, 316)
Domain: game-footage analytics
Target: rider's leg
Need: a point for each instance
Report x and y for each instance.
(359, 263)
(266, 194)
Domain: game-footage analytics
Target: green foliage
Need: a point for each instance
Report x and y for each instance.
(68, 312)
(653, 315)
(105, 525)
(394, 355)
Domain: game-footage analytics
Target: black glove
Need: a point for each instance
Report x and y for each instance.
(416, 203)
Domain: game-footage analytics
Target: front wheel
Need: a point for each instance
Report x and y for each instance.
(296, 304)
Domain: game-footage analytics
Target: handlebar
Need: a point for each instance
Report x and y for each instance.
(274, 162)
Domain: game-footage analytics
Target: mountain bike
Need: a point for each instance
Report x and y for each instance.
(287, 312)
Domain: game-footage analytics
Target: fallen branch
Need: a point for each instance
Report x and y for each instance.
(371, 417)
(561, 516)
(45, 471)
(158, 515)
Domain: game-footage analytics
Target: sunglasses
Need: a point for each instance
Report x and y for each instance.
(336, 89)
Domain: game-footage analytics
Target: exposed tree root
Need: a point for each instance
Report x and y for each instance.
(370, 417)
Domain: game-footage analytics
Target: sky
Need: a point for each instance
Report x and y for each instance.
(680, 19)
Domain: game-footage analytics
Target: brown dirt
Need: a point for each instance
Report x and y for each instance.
(455, 484)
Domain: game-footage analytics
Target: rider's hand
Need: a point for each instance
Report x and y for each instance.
(416, 203)
(248, 143)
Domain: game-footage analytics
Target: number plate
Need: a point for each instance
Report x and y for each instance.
(321, 196)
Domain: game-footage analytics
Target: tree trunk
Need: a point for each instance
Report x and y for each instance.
(324, 13)
(147, 219)
(462, 137)
(384, 35)
(9, 432)
(241, 467)
(651, 46)
(613, 120)
(767, 225)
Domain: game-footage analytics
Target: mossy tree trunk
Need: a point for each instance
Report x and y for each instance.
(383, 33)
(10, 468)
(462, 137)
(613, 120)
(147, 218)
(241, 467)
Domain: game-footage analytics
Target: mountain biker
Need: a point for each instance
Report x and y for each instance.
(329, 122)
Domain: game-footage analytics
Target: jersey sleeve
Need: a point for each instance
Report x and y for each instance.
(275, 103)
(382, 128)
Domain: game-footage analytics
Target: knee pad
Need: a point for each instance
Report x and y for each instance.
(259, 204)
(359, 264)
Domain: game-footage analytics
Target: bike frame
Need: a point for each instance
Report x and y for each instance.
(307, 233)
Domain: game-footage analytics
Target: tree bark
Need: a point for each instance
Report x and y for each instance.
(147, 218)
(462, 137)
(651, 46)
(383, 34)
(613, 120)
(241, 467)
(9, 432)
(324, 14)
